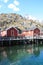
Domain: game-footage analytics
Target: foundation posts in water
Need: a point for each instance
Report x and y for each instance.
(21, 42)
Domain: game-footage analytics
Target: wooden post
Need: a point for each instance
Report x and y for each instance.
(10, 42)
(2, 43)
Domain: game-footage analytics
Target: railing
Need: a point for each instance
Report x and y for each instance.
(11, 38)
(20, 38)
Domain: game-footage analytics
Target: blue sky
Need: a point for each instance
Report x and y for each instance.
(24, 7)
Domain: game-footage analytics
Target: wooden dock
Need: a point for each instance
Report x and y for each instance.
(18, 38)
(9, 41)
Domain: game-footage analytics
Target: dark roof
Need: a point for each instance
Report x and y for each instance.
(18, 29)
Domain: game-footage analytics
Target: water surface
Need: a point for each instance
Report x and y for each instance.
(21, 55)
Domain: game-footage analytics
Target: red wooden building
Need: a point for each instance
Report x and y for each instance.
(12, 32)
(36, 31)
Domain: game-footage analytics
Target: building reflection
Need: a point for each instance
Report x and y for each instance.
(3, 53)
(16, 52)
(36, 50)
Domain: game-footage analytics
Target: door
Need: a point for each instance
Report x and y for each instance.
(12, 32)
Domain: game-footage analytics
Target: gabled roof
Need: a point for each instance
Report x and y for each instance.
(14, 28)
(10, 27)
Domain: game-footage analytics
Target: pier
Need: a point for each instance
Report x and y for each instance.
(12, 36)
(9, 41)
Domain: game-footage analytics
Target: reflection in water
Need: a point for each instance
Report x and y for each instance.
(4, 54)
(36, 50)
(21, 55)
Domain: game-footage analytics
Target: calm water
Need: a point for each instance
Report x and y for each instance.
(21, 55)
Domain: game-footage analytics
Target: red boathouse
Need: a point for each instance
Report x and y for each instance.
(12, 32)
(36, 31)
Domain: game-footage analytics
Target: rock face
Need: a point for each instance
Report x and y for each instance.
(16, 20)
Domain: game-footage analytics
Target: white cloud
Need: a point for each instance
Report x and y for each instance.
(12, 6)
(16, 9)
(0, 6)
(5, 1)
(16, 2)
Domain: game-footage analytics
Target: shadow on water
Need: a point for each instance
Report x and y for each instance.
(10, 55)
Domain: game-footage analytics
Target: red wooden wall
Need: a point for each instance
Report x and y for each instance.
(36, 31)
(12, 32)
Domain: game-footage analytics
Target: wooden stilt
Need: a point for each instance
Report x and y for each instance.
(2, 43)
(9, 42)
